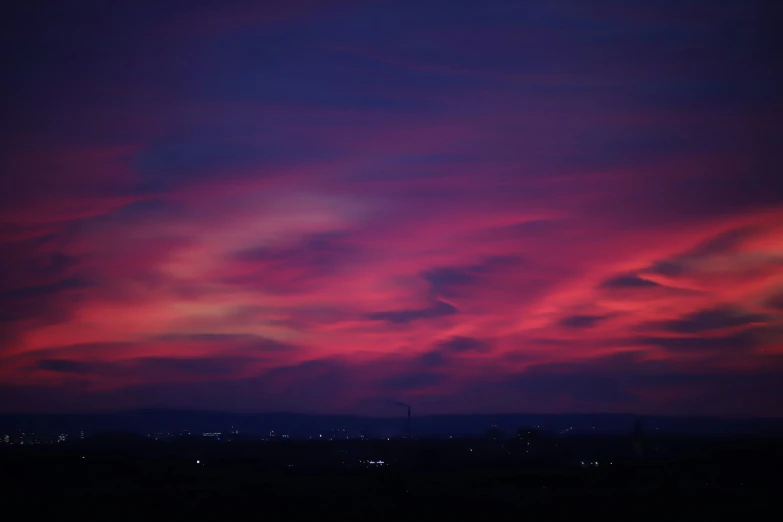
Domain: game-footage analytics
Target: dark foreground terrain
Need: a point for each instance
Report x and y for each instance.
(121, 477)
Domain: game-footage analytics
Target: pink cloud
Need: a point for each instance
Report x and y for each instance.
(261, 232)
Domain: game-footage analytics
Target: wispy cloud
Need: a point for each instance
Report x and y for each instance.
(311, 207)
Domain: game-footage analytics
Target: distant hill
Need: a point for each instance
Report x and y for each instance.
(299, 425)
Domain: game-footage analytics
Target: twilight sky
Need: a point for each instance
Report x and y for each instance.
(312, 206)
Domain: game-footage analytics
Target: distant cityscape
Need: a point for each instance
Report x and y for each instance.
(166, 425)
(273, 435)
(349, 450)
(526, 442)
(21, 437)
(531, 462)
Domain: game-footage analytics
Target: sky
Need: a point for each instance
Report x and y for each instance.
(325, 207)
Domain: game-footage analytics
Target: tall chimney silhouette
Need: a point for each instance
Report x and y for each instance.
(397, 403)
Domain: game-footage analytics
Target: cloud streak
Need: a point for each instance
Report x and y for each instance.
(511, 207)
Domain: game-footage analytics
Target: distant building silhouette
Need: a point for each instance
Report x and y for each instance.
(528, 440)
(638, 438)
(495, 437)
(495, 433)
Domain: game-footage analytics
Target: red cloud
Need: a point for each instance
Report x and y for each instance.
(216, 224)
